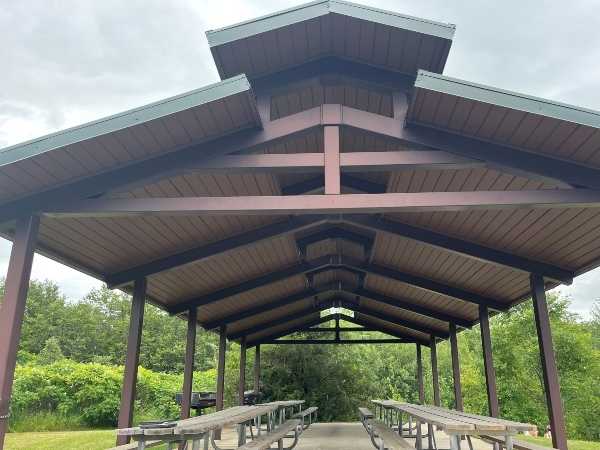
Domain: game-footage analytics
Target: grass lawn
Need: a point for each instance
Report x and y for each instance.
(72, 440)
(573, 444)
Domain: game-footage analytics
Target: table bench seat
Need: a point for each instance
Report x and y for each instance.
(387, 436)
(264, 442)
(518, 444)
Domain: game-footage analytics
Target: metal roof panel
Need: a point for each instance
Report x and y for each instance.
(321, 8)
(487, 94)
(146, 113)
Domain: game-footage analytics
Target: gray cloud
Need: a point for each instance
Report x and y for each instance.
(71, 61)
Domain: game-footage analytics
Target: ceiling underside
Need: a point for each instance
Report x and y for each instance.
(409, 274)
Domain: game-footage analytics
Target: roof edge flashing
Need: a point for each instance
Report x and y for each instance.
(146, 113)
(393, 19)
(267, 22)
(320, 8)
(505, 98)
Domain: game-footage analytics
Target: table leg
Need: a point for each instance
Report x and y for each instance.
(454, 442)
(430, 436)
(508, 442)
(196, 444)
(206, 440)
(419, 440)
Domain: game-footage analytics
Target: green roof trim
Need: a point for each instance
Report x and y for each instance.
(146, 113)
(508, 99)
(320, 8)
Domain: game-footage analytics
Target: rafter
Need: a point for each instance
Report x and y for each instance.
(412, 307)
(460, 246)
(260, 309)
(207, 251)
(248, 285)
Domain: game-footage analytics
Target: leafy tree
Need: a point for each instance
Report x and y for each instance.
(51, 352)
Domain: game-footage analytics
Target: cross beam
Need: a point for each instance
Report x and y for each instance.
(336, 341)
(317, 183)
(330, 204)
(460, 246)
(349, 162)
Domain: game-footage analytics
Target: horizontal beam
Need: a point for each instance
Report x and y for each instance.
(261, 163)
(341, 330)
(207, 251)
(277, 335)
(349, 162)
(317, 183)
(330, 204)
(417, 309)
(259, 309)
(405, 160)
(461, 246)
(341, 341)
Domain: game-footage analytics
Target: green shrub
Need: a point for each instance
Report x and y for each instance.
(75, 395)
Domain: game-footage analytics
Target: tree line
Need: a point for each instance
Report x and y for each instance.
(336, 378)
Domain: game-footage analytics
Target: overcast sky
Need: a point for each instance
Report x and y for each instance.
(67, 62)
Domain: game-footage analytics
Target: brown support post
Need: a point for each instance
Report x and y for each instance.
(332, 160)
(488, 361)
(257, 369)
(221, 373)
(132, 358)
(242, 383)
(12, 312)
(420, 376)
(434, 372)
(455, 368)
(550, 371)
(188, 371)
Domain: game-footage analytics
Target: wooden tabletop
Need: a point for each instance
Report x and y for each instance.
(204, 423)
(460, 421)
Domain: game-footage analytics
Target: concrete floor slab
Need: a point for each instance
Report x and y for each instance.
(343, 436)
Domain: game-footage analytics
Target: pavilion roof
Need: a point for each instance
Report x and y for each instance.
(265, 272)
(330, 28)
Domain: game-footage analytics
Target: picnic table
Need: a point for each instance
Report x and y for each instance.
(458, 423)
(198, 428)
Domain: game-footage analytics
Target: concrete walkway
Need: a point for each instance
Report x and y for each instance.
(344, 436)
